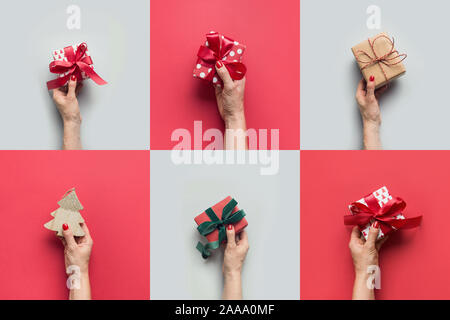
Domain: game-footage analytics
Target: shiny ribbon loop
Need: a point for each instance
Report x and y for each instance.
(76, 63)
(218, 224)
(218, 48)
(385, 215)
(388, 59)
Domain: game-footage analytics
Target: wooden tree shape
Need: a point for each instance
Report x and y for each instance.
(68, 213)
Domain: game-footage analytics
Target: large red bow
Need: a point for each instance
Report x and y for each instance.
(385, 215)
(218, 48)
(76, 63)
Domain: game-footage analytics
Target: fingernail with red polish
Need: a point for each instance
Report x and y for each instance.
(219, 64)
(372, 78)
(230, 227)
(65, 226)
(73, 78)
(376, 225)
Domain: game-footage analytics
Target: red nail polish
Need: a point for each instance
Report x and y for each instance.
(219, 64)
(372, 78)
(230, 227)
(65, 226)
(73, 78)
(376, 225)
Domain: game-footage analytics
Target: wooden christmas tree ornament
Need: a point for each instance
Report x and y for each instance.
(67, 213)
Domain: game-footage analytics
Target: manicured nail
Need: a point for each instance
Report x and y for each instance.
(73, 78)
(230, 227)
(65, 226)
(219, 64)
(376, 225)
(372, 78)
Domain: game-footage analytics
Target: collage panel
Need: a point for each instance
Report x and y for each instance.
(405, 192)
(47, 198)
(195, 43)
(50, 41)
(181, 193)
(340, 41)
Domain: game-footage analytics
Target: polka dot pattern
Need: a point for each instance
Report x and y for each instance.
(202, 70)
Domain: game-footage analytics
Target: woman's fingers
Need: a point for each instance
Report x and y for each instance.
(87, 235)
(380, 243)
(72, 86)
(231, 237)
(373, 236)
(68, 236)
(370, 88)
(223, 73)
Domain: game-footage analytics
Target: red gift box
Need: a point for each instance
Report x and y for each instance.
(218, 208)
(382, 207)
(72, 61)
(219, 47)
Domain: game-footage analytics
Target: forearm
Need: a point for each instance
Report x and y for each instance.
(236, 133)
(371, 135)
(361, 289)
(232, 289)
(71, 136)
(84, 292)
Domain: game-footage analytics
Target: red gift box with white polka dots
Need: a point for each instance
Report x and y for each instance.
(60, 55)
(201, 70)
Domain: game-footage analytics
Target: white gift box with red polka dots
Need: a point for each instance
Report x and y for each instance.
(59, 55)
(383, 197)
(235, 55)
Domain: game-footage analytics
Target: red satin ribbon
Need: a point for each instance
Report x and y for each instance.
(218, 48)
(76, 63)
(385, 215)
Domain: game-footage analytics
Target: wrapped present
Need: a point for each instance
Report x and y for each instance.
(213, 221)
(382, 207)
(73, 60)
(378, 57)
(219, 47)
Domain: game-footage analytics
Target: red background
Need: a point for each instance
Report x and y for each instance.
(270, 30)
(113, 187)
(414, 263)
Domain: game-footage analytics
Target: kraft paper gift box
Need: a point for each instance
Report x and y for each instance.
(380, 206)
(378, 57)
(219, 47)
(225, 212)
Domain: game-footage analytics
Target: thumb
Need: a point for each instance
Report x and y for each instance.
(373, 234)
(370, 88)
(223, 73)
(231, 236)
(68, 236)
(72, 86)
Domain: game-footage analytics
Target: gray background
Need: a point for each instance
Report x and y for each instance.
(115, 116)
(179, 193)
(415, 110)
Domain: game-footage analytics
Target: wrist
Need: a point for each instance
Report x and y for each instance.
(234, 120)
(72, 118)
(232, 275)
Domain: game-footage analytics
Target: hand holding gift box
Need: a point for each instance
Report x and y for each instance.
(382, 207)
(73, 60)
(213, 221)
(378, 57)
(219, 48)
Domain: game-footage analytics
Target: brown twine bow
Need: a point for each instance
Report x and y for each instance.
(385, 59)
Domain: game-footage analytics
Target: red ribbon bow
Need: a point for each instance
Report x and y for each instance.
(385, 215)
(218, 48)
(76, 63)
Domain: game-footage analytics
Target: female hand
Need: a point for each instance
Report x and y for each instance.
(367, 99)
(67, 103)
(234, 256)
(365, 259)
(230, 101)
(77, 253)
